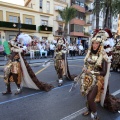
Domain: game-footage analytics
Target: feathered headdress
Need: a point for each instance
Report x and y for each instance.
(60, 41)
(24, 39)
(103, 37)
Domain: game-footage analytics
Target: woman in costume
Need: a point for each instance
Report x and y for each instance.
(61, 65)
(15, 68)
(95, 74)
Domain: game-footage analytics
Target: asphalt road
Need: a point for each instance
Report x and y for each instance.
(58, 104)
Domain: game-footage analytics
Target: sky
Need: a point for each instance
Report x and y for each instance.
(18, 2)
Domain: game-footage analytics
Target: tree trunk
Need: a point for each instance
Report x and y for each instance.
(65, 32)
(97, 13)
(106, 17)
(110, 20)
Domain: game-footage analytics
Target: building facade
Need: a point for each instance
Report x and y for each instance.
(58, 25)
(36, 19)
(80, 26)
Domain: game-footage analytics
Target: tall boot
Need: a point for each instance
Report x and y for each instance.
(8, 89)
(87, 112)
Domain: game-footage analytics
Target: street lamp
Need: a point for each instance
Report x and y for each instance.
(19, 25)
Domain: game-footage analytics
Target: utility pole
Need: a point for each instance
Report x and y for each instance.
(19, 25)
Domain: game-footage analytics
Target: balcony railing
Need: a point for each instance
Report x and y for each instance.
(88, 23)
(15, 25)
(89, 1)
(45, 28)
(73, 2)
(87, 34)
(63, 1)
(58, 33)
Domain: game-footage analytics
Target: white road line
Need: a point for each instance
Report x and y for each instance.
(75, 114)
(116, 92)
(79, 112)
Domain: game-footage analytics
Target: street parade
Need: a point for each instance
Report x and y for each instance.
(66, 69)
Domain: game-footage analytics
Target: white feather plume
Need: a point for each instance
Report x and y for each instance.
(24, 39)
(107, 50)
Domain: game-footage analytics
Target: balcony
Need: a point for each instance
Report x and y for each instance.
(59, 8)
(77, 21)
(78, 34)
(58, 33)
(79, 8)
(89, 1)
(88, 23)
(45, 29)
(86, 34)
(14, 26)
(61, 1)
(59, 19)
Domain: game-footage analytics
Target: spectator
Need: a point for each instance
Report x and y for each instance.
(70, 49)
(42, 49)
(31, 49)
(47, 48)
(74, 49)
(52, 48)
(80, 49)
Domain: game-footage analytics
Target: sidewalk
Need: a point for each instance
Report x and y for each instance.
(42, 60)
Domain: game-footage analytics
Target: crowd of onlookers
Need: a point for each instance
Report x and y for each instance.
(40, 49)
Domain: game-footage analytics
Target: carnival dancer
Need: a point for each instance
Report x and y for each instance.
(116, 58)
(95, 73)
(15, 68)
(61, 65)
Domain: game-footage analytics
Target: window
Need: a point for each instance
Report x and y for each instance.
(76, 28)
(28, 20)
(80, 15)
(48, 6)
(41, 3)
(45, 22)
(13, 19)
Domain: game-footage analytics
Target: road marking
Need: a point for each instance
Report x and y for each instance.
(1, 76)
(7, 101)
(116, 92)
(75, 114)
(79, 112)
(41, 70)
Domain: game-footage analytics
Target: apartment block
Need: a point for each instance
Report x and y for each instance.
(80, 26)
(58, 26)
(36, 19)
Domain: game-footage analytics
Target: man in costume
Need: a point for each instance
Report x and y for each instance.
(14, 68)
(12, 73)
(60, 63)
(116, 57)
(95, 74)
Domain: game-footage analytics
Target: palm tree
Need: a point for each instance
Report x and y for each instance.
(110, 8)
(67, 14)
(97, 9)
